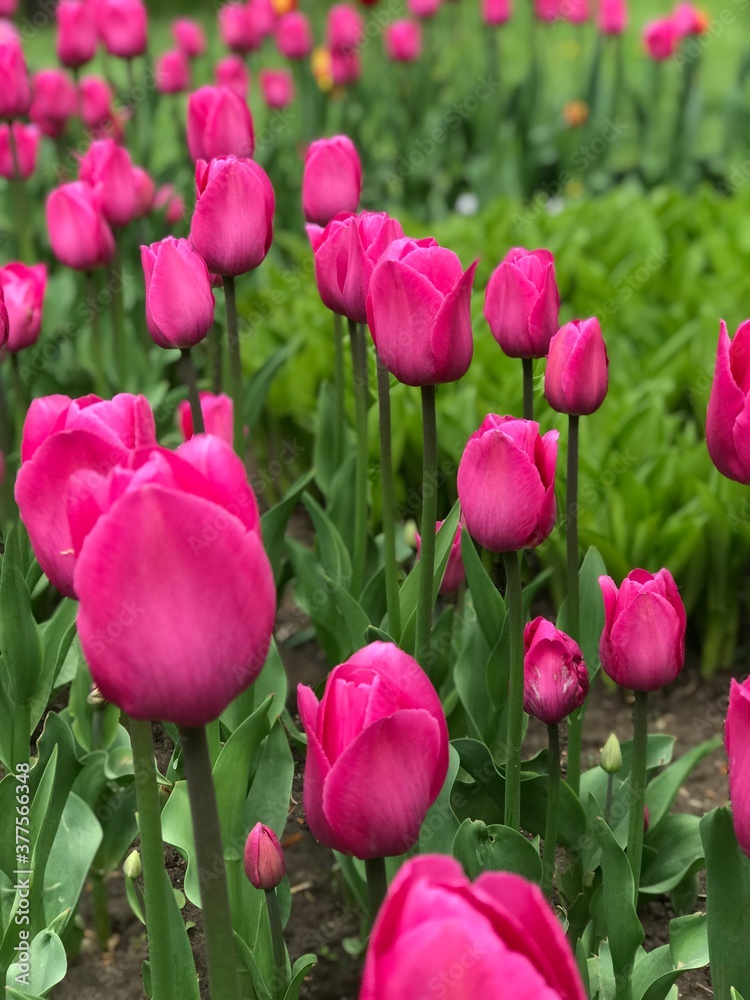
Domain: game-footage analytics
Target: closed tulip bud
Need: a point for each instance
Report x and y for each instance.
(611, 756)
(575, 11)
(219, 123)
(344, 28)
(688, 20)
(728, 417)
(643, 642)
(660, 39)
(123, 26)
(232, 73)
(15, 92)
(77, 33)
(555, 678)
(419, 312)
(332, 180)
(403, 41)
(424, 8)
(23, 163)
(294, 36)
(78, 231)
(174, 207)
(179, 300)
(172, 72)
(737, 740)
(133, 867)
(264, 858)
(522, 303)
(506, 484)
(107, 168)
(377, 753)
(189, 37)
(612, 17)
(575, 380)
(145, 192)
(263, 16)
(96, 101)
(23, 288)
(238, 30)
(218, 416)
(496, 12)
(497, 937)
(455, 574)
(277, 87)
(547, 10)
(346, 68)
(232, 225)
(54, 100)
(4, 331)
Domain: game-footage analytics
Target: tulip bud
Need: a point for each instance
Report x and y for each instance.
(726, 435)
(661, 38)
(264, 858)
(23, 288)
(132, 867)
(189, 37)
(26, 138)
(556, 680)
(575, 380)
(346, 68)
(277, 87)
(332, 179)
(344, 28)
(172, 72)
(107, 168)
(737, 740)
(496, 12)
(77, 33)
(145, 191)
(522, 303)
(294, 36)
(96, 102)
(611, 756)
(403, 41)
(179, 300)
(613, 17)
(688, 20)
(123, 27)
(54, 101)
(15, 93)
(78, 231)
(238, 29)
(218, 124)
(424, 8)
(455, 574)
(231, 72)
(4, 328)
(218, 416)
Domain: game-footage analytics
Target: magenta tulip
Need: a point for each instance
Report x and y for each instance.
(403, 41)
(661, 38)
(77, 33)
(238, 29)
(506, 484)
(54, 101)
(15, 92)
(377, 753)
(419, 312)
(231, 72)
(123, 27)
(455, 574)
(294, 36)
(23, 163)
(108, 169)
(643, 643)
(575, 11)
(332, 181)
(346, 67)
(4, 331)
(219, 123)
(737, 739)
(264, 858)
(439, 934)
(547, 10)
(424, 8)
(277, 87)
(728, 417)
(8, 8)
(145, 192)
(63, 438)
(96, 102)
(174, 207)
(189, 37)
(522, 303)
(172, 72)
(612, 16)
(23, 288)
(496, 12)
(177, 596)
(218, 416)
(575, 380)
(78, 231)
(232, 225)
(688, 20)
(179, 300)
(555, 678)
(344, 28)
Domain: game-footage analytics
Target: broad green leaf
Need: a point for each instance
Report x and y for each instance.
(20, 639)
(623, 928)
(268, 801)
(441, 823)
(657, 971)
(57, 637)
(270, 681)
(662, 791)
(273, 523)
(300, 969)
(482, 848)
(488, 604)
(47, 966)
(76, 843)
(332, 551)
(678, 852)
(256, 388)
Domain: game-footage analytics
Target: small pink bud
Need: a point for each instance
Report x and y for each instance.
(264, 858)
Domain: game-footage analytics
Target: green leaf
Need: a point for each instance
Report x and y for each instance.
(356, 621)
(20, 639)
(76, 843)
(488, 604)
(256, 388)
(676, 842)
(57, 637)
(441, 823)
(657, 971)
(300, 970)
(273, 523)
(482, 848)
(271, 681)
(268, 801)
(662, 791)
(333, 554)
(325, 461)
(623, 928)
(47, 966)
(592, 608)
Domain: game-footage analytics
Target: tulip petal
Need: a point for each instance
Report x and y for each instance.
(725, 404)
(648, 638)
(737, 736)
(317, 768)
(42, 418)
(451, 342)
(225, 477)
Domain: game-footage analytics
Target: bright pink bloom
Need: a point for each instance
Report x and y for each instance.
(547, 10)
(661, 39)
(7, 9)
(455, 574)
(27, 146)
(179, 300)
(575, 11)
(346, 67)
(4, 331)
(232, 72)
(433, 919)
(332, 180)
(172, 72)
(23, 288)
(77, 33)
(522, 303)
(123, 26)
(239, 30)
(424, 8)
(177, 596)
(419, 312)
(688, 20)
(643, 642)
(555, 678)
(506, 484)
(496, 12)
(728, 417)
(344, 28)
(78, 231)
(612, 16)
(403, 41)
(96, 101)
(218, 414)
(264, 858)
(218, 124)
(189, 37)
(575, 380)
(737, 739)
(54, 100)
(108, 169)
(377, 753)
(174, 207)
(262, 16)
(277, 87)
(294, 36)
(15, 92)
(63, 438)
(145, 191)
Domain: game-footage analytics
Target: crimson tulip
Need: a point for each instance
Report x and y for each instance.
(555, 678)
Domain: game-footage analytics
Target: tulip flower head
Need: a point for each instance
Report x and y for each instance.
(424, 8)
(238, 30)
(455, 574)
(54, 101)
(123, 27)
(189, 37)
(145, 192)
(403, 41)
(728, 417)
(15, 92)
(218, 416)
(22, 164)
(496, 12)
(688, 20)
(612, 16)
(575, 380)
(172, 72)
(179, 300)
(332, 179)
(107, 167)
(77, 33)
(737, 740)
(277, 87)
(661, 38)
(294, 35)
(264, 858)
(78, 230)
(344, 29)
(522, 303)
(23, 289)
(219, 123)
(555, 678)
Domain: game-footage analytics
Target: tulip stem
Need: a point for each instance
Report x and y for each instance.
(338, 387)
(638, 786)
(20, 203)
(573, 620)
(118, 317)
(389, 527)
(212, 877)
(235, 363)
(377, 884)
(20, 396)
(528, 388)
(553, 804)
(515, 694)
(100, 900)
(429, 518)
(279, 947)
(359, 366)
(97, 356)
(214, 340)
(191, 380)
(610, 794)
(152, 855)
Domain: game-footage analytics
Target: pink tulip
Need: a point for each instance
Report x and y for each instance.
(728, 417)
(377, 753)
(96, 101)
(264, 858)
(77, 33)
(332, 181)
(179, 300)
(15, 92)
(218, 414)
(547, 10)
(8, 8)
(145, 192)
(439, 934)
(238, 30)
(643, 643)
(575, 380)
(231, 72)
(262, 16)
(555, 678)
(189, 37)
(419, 312)
(506, 484)
(496, 12)
(123, 27)
(575, 11)
(522, 302)
(177, 596)
(23, 288)
(455, 574)
(424, 8)
(346, 67)
(63, 438)
(612, 18)
(344, 28)
(737, 739)
(661, 39)
(22, 163)
(78, 231)
(277, 87)
(294, 36)
(172, 72)
(107, 168)
(218, 124)
(688, 20)
(174, 207)
(54, 100)
(4, 332)
(403, 41)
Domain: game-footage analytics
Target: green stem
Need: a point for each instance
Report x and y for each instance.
(118, 316)
(20, 204)
(152, 857)
(638, 786)
(425, 598)
(377, 884)
(389, 526)
(575, 724)
(100, 900)
(217, 920)
(214, 340)
(279, 947)
(359, 366)
(191, 381)
(97, 355)
(553, 801)
(338, 387)
(235, 363)
(20, 396)
(608, 802)
(515, 695)
(528, 388)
